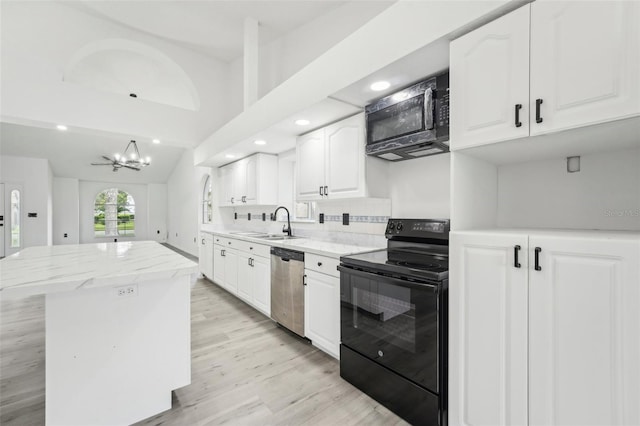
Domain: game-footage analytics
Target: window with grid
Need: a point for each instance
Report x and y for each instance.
(114, 214)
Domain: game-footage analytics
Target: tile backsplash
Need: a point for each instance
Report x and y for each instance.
(367, 221)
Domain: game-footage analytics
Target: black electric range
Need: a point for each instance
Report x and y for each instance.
(394, 307)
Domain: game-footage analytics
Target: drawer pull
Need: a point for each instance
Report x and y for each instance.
(319, 263)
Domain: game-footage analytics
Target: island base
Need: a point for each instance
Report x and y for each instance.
(114, 354)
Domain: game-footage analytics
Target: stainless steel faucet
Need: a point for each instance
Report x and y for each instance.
(286, 229)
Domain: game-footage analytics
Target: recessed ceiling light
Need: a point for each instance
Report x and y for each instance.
(260, 142)
(380, 85)
(230, 156)
(302, 122)
(61, 127)
(156, 141)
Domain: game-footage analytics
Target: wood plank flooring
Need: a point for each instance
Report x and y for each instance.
(245, 371)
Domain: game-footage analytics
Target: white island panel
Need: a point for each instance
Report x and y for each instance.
(118, 337)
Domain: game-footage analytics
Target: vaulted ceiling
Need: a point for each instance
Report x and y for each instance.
(77, 63)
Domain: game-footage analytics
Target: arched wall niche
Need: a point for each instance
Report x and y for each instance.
(124, 67)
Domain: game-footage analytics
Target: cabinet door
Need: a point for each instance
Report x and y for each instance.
(202, 248)
(226, 185)
(322, 312)
(345, 157)
(584, 62)
(239, 181)
(487, 329)
(244, 277)
(231, 270)
(310, 165)
(251, 180)
(261, 279)
(489, 76)
(218, 265)
(584, 329)
(207, 260)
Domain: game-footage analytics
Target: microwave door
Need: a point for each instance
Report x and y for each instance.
(428, 109)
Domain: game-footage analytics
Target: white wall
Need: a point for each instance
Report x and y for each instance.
(66, 211)
(419, 188)
(158, 202)
(34, 174)
(287, 55)
(184, 192)
(89, 191)
(605, 194)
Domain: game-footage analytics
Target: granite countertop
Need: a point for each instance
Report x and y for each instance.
(307, 245)
(51, 269)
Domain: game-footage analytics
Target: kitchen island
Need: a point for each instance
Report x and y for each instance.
(117, 327)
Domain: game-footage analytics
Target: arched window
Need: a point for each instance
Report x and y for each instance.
(114, 214)
(207, 199)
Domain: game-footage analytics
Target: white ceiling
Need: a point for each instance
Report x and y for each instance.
(71, 153)
(213, 27)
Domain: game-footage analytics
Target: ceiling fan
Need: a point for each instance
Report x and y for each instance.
(134, 161)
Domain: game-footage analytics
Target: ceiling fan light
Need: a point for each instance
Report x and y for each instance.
(147, 160)
(117, 156)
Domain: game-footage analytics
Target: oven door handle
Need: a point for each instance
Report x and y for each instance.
(395, 281)
(428, 109)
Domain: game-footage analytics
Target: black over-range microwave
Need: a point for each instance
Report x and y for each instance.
(411, 123)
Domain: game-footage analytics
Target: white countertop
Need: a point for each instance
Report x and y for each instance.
(51, 269)
(307, 245)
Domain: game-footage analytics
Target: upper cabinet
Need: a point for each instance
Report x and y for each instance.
(331, 163)
(545, 67)
(252, 180)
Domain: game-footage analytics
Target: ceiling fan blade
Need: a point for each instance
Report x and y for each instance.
(108, 159)
(102, 164)
(132, 168)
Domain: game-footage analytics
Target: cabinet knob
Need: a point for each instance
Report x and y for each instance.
(319, 263)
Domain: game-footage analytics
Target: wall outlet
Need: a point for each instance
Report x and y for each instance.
(127, 290)
(345, 218)
(321, 218)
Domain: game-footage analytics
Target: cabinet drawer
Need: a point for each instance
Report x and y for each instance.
(253, 248)
(225, 242)
(324, 264)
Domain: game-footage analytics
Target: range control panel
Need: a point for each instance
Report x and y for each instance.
(417, 228)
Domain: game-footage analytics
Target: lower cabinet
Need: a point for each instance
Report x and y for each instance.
(544, 328)
(225, 268)
(254, 281)
(322, 303)
(205, 255)
(244, 271)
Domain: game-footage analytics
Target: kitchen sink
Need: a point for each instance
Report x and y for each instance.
(274, 237)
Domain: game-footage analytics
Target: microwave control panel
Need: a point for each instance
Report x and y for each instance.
(442, 101)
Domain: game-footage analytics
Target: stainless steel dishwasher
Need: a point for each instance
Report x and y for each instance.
(287, 289)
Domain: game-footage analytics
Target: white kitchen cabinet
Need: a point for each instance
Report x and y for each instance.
(252, 180)
(260, 277)
(487, 330)
(561, 65)
(585, 62)
(322, 303)
(555, 341)
(225, 268)
(244, 269)
(205, 255)
(584, 331)
(489, 75)
(331, 163)
(310, 150)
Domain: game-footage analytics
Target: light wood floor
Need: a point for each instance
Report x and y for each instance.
(245, 371)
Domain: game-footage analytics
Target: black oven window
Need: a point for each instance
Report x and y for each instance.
(397, 120)
(385, 312)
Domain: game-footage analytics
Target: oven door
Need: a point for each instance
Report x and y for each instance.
(393, 322)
